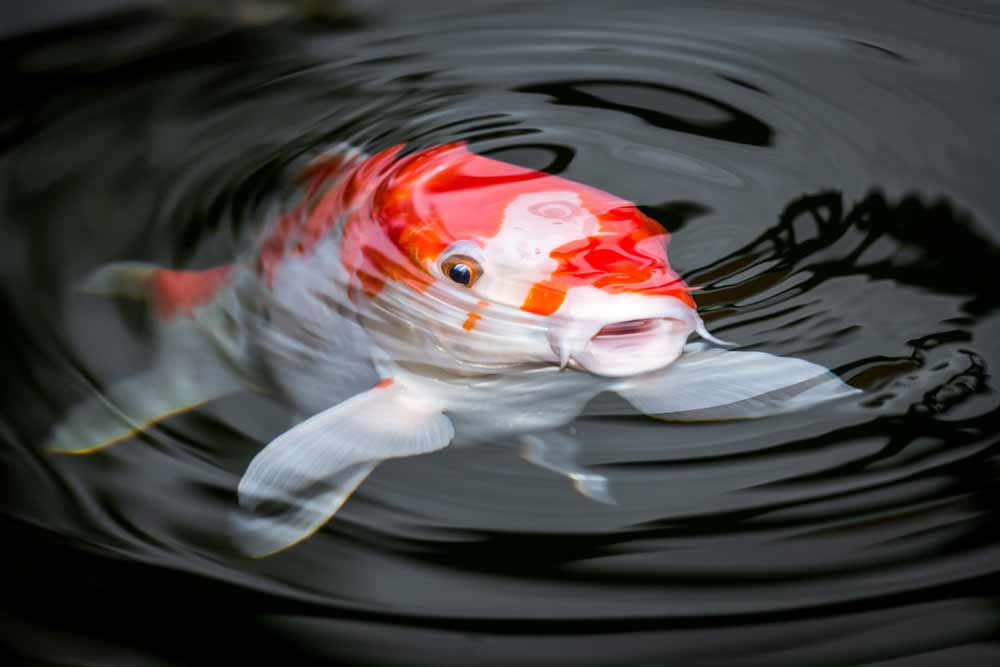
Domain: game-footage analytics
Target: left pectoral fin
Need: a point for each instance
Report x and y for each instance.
(708, 383)
(298, 481)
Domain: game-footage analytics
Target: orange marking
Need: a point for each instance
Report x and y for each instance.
(384, 383)
(543, 299)
(470, 321)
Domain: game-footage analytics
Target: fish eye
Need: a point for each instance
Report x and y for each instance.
(461, 269)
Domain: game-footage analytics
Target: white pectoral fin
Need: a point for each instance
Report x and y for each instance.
(300, 480)
(708, 384)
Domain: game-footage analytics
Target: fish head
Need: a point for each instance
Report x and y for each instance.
(584, 272)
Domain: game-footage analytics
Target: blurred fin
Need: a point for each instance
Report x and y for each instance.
(300, 480)
(709, 384)
(128, 280)
(189, 367)
(133, 405)
(558, 452)
(171, 292)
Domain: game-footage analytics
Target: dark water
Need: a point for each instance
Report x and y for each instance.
(830, 179)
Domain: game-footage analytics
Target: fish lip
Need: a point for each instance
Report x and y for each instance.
(617, 330)
(630, 336)
(646, 336)
(634, 347)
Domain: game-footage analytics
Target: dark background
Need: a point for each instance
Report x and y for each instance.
(77, 599)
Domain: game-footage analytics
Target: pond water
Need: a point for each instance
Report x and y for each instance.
(827, 175)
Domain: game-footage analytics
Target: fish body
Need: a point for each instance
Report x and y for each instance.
(555, 262)
(412, 297)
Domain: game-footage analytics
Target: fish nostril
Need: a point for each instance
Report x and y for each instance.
(625, 328)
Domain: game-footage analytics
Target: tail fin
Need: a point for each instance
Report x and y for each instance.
(133, 405)
(169, 292)
(187, 370)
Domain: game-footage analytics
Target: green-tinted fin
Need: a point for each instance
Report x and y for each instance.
(129, 280)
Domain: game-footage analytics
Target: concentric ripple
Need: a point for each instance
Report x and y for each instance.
(825, 176)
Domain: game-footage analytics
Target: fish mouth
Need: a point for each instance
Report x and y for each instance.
(643, 334)
(635, 346)
(644, 342)
(636, 336)
(627, 328)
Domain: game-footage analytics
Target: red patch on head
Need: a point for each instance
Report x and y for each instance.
(628, 254)
(403, 212)
(445, 194)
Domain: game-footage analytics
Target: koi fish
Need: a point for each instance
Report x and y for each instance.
(412, 298)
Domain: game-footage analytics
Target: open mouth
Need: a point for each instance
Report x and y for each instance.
(633, 346)
(587, 340)
(626, 328)
(630, 337)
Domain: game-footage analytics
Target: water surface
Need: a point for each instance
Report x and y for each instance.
(828, 178)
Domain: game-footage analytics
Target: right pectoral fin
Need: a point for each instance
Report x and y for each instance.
(298, 481)
(709, 383)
